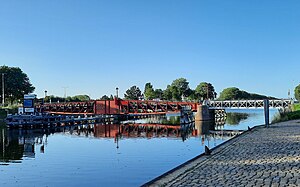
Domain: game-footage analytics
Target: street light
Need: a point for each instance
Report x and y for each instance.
(3, 89)
(45, 96)
(117, 91)
(117, 99)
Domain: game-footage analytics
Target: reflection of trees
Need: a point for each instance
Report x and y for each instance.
(10, 148)
(174, 120)
(11, 151)
(235, 118)
(16, 144)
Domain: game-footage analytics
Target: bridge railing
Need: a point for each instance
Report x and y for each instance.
(283, 103)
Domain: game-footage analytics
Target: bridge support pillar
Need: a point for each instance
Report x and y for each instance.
(204, 113)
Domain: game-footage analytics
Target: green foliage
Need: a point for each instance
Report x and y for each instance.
(3, 114)
(133, 93)
(192, 96)
(105, 97)
(229, 94)
(182, 87)
(13, 109)
(286, 116)
(149, 92)
(159, 94)
(234, 93)
(16, 83)
(205, 91)
(76, 98)
(296, 107)
(178, 88)
(297, 92)
(167, 94)
(234, 118)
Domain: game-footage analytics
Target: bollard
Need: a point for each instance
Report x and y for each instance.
(266, 110)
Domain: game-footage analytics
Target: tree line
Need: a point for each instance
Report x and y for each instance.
(16, 84)
(76, 98)
(178, 90)
(234, 93)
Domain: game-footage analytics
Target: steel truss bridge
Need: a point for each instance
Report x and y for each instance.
(98, 107)
(239, 104)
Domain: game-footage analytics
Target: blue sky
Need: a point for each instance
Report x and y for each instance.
(92, 47)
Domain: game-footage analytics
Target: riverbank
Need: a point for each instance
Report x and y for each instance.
(263, 156)
(292, 113)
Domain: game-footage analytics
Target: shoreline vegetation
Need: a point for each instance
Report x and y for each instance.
(291, 113)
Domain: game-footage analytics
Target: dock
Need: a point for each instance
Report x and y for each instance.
(46, 120)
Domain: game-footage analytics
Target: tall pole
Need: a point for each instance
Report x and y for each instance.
(65, 92)
(117, 95)
(117, 92)
(3, 89)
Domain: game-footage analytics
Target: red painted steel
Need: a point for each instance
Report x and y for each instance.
(96, 107)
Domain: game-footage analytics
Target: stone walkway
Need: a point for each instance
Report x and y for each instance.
(261, 157)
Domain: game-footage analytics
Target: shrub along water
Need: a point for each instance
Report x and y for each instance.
(286, 115)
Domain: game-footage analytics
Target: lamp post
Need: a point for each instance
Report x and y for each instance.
(117, 98)
(117, 92)
(45, 95)
(3, 89)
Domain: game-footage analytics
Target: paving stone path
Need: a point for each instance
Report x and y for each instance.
(261, 157)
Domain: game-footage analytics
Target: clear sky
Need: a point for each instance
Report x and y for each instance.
(94, 46)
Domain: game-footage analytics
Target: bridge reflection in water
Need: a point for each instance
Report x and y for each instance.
(17, 144)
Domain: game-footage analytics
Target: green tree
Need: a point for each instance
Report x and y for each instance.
(167, 93)
(231, 93)
(105, 97)
(182, 86)
(176, 93)
(172, 93)
(158, 94)
(149, 92)
(76, 98)
(133, 93)
(297, 92)
(16, 83)
(54, 99)
(111, 97)
(234, 93)
(192, 95)
(205, 91)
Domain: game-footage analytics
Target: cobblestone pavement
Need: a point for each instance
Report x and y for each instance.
(261, 157)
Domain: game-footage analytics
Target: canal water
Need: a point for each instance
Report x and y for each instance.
(128, 154)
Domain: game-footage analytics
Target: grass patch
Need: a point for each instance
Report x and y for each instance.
(296, 107)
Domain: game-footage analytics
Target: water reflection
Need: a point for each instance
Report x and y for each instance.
(234, 118)
(17, 144)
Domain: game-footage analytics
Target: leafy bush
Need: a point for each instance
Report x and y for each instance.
(296, 107)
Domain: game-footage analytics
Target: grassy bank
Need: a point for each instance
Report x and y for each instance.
(286, 115)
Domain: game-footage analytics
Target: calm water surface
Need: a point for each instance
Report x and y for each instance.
(108, 155)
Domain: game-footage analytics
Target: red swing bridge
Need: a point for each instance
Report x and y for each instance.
(116, 106)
